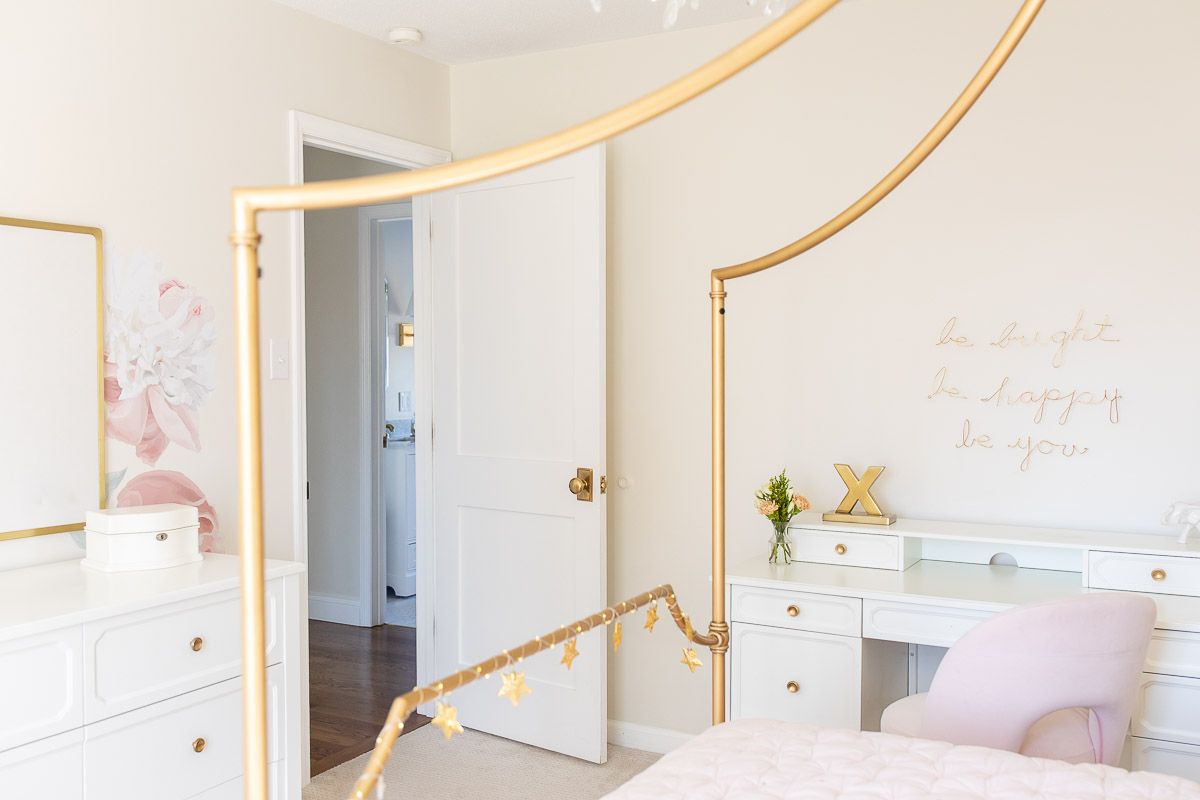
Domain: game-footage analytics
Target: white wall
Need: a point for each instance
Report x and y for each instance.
(1070, 186)
(138, 116)
(396, 244)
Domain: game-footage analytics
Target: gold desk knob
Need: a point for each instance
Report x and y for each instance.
(840, 549)
(197, 644)
(1159, 574)
(199, 745)
(793, 611)
(793, 687)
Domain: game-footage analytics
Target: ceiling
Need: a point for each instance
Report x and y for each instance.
(461, 31)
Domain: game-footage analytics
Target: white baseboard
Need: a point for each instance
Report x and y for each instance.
(330, 608)
(644, 737)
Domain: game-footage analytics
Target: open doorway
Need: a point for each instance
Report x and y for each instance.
(360, 460)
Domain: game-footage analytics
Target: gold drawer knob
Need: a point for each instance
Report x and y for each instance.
(199, 745)
(1159, 574)
(197, 644)
(793, 687)
(793, 611)
(840, 549)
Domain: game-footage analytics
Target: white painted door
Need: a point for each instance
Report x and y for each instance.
(518, 361)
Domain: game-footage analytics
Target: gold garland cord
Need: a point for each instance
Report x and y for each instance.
(404, 705)
(247, 203)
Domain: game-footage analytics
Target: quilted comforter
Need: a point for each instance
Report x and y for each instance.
(767, 759)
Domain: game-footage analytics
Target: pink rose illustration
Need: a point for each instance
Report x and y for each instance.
(158, 362)
(168, 486)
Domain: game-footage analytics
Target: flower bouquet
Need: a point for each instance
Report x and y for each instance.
(779, 504)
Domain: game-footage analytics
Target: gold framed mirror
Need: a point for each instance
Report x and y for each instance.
(52, 356)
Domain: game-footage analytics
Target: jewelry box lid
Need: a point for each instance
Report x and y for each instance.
(143, 519)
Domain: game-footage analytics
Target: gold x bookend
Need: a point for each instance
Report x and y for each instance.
(858, 490)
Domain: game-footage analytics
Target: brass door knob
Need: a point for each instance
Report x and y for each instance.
(581, 485)
(793, 687)
(793, 611)
(840, 549)
(199, 745)
(1159, 574)
(197, 644)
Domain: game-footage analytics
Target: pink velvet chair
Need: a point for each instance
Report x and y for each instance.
(1053, 680)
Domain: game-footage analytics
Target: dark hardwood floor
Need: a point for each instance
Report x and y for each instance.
(354, 673)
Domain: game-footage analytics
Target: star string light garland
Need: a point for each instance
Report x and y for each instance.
(513, 686)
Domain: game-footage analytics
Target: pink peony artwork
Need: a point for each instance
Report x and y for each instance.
(158, 361)
(168, 486)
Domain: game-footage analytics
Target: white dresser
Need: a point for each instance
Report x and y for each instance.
(127, 686)
(859, 622)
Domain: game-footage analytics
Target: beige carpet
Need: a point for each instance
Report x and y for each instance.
(476, 765)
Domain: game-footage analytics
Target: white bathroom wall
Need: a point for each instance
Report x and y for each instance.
(396, 245)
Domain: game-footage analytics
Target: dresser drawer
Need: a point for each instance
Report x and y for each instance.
(1174, 653)
(918, 624)
(796, 676)
(137, 659)
(41, 686)
(1169, 758)
(797, 610)
(180, 748)
(881, 551)
(50, 768)
(1168, 708)
(234, 789)
(1135, 572)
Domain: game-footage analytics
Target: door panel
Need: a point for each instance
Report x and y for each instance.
(518, 343)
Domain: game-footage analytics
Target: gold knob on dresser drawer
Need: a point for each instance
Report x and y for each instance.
(793, 687)
(840, 549)
(199, 745)
(1159, 574)
(793, 611)
(197, 644)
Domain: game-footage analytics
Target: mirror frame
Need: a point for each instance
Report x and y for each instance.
(102, 483)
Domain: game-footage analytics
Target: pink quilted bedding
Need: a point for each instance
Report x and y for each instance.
(766, 760)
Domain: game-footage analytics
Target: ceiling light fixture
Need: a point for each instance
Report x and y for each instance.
(405, 36)
(671, 8)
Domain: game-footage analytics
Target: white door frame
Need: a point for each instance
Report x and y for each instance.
(372, 558)
(339, 137)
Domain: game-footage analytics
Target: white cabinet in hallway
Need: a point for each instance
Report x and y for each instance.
(400, 482)
(126, 686)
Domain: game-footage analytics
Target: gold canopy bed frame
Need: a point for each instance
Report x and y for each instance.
(249, 202)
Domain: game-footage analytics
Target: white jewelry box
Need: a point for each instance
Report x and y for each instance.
(142, 537)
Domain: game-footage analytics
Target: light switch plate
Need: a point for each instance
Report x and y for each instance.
(279, 358)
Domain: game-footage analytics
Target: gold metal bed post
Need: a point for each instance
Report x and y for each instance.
(247, 203)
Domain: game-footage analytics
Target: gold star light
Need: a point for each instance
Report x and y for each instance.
(616, 637)
(651, 617)
(690, 659)
(514, 687)
(447, 720)
(569, 653)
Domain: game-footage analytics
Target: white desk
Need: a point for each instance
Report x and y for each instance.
(834, 638)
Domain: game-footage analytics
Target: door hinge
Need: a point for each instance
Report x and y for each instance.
(603, 484)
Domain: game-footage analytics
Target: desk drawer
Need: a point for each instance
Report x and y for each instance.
(1169, 758)
(881, 551)
(1174, 653)
(142, 658)
(1168, 708)
(1135, 572)
(41, 686)
(50, 768)
(796, 676)
(797, 610)
(153, 752)
(918, 624)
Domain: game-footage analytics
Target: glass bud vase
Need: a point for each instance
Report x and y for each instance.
(781, 544)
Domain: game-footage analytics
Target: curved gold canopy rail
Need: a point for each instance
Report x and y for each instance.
(247, 203)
